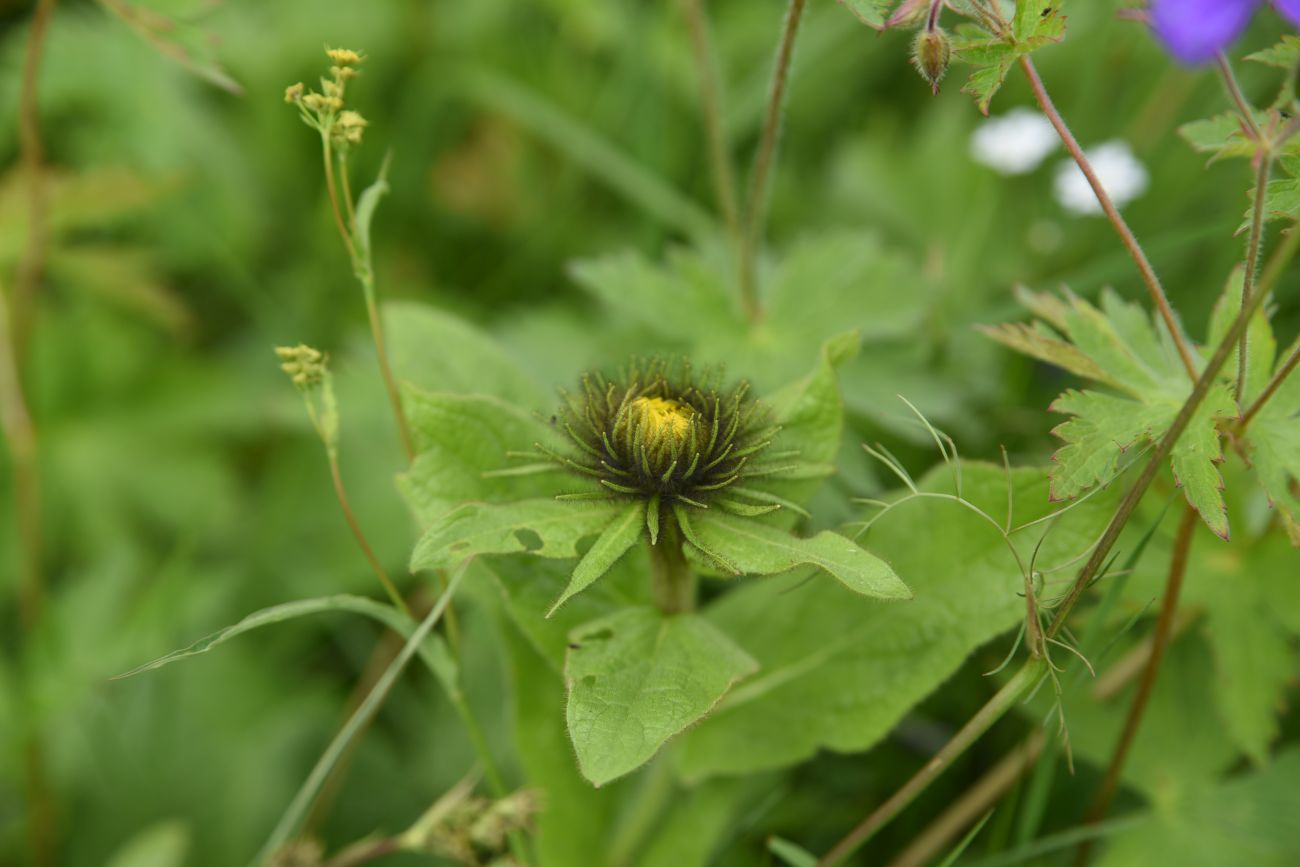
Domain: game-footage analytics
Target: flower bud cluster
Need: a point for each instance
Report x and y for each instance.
(325, 110)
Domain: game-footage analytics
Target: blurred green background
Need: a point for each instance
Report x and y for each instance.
(190, 234)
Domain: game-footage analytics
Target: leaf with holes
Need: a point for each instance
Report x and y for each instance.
(637, 678)
(545, 527)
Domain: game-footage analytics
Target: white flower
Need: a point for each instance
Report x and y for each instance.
(1015, 143)
(1123, 177)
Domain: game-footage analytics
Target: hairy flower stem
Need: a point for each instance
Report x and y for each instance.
(672, 580)
(993, 710)
(1154, 288)
(327, 156)
(764, 158)
(1253, 245)
(724, 179)
(1087, 574)
(1164, 628)
(1273, 385)
(1238, 98)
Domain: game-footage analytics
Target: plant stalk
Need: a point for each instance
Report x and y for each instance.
(1274, 383)
(672, 581)
(1164, 629)
(764, 158)
(724, 179)
(1252, 266)
(1154, 288)
(341, 493)
(993, 710)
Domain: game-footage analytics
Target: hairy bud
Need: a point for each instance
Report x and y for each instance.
(930, 54)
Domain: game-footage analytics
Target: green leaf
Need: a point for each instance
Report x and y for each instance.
(462, 445)
(553, 529)
(1250, 820)
(577, 817)
(870, 12)
(166, 844)
(685, 298)
(814, 638)
(367, 203)
(530, 587)
(754, 548)
(442, 353)
(613, 543)
(1133, 354)
(1221, 135)
(1036, 23)
(791, 854)
(637, 678)
(1283, 55)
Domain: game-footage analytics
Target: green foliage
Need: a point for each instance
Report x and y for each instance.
(1250, 819)
(1118, 346)
(637, 678)
(966, 592)
(750, 548)
(1036, 24)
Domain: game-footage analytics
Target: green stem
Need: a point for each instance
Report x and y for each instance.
(1252, 266)
(724, 180)
(341, 493)
(764, 159)
(1126, 236)
(359, 719)
(993, 710)
(1164, 629)
(366, 276)
(673, 583)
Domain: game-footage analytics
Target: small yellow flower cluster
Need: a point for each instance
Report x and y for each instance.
(324, 110)
(304, 364)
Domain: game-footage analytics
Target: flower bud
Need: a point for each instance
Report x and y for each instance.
(930, 54)
(293, 93)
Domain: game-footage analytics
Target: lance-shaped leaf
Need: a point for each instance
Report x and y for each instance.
(754, 548)
(637, 678)
(545, 527)
(621, 534)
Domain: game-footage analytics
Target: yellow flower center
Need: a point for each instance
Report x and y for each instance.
(660, 415)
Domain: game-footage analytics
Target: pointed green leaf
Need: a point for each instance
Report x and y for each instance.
(545, 527)
(759, 549)
(622, 533)
(637, 678)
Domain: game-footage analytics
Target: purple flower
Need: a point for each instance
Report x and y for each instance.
(1195, 30)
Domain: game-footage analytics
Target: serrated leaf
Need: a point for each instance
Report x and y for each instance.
(462, 443)
(813, 638)
(755, 548)
(638, 678)
(870, 12)
(552, 528)
(1222, 136)
(621, 534)
(1283, 55)
(1135, 355)
(984, 83)
(1273, 440)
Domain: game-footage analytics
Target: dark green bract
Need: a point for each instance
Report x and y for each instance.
(656, 430)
